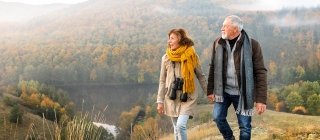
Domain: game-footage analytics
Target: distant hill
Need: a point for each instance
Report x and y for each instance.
(117, 32)
(110, 22)
(11, 12)
(117, 42)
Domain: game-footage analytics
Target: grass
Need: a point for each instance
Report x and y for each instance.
(35, 127)
(269, 126)
(31, 124)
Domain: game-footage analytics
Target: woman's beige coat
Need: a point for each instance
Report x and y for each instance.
(174, 108)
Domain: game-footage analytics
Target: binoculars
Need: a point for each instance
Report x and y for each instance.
(177, 85)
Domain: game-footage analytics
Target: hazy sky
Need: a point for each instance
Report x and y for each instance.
(233, 4)
(39, 2)
(270, 4)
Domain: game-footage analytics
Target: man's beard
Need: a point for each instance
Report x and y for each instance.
(224, 36)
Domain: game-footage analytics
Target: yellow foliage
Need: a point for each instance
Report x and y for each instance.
(147, 131)
(63, 110)
(280, 106)
(23, 90)
(126, 118)
(56, 105)
(34, 99)
(148, 110)
(272, 68)
(47, 103)
(93, 75)
(272, 100)
(300, 71)
(299, 110)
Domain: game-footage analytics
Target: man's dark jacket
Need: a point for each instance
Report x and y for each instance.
(259, 70)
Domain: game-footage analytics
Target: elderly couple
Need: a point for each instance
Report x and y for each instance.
(237, 76)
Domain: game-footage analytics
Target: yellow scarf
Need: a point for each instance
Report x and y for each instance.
(189, 61)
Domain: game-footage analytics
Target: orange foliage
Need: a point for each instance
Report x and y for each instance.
(47, 103)
(34, 99)
(63, 111)
(23, 90)
(273, 68)
(280, 106)
(272, 100)
(299, 110)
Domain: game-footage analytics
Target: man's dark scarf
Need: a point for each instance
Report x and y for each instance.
(245, 106)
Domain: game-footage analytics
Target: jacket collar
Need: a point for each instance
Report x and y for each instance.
(239, 42)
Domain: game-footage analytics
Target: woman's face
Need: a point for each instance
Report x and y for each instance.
(173, 41)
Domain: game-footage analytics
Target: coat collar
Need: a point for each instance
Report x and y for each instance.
(239, 42)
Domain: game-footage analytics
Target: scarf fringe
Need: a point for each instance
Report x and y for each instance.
(218, 98)
(248, 112)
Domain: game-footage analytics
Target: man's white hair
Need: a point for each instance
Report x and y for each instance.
(236, 21)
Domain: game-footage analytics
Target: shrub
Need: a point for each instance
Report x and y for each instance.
(299, 110)
(16, 115)
(8, 102)
(293, 99)
(280, 106)
(313, 104)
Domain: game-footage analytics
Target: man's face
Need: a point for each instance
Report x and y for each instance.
(228, 30)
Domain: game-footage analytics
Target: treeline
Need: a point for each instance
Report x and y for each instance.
(52, 104)
(125, 45)
(302, 98)
(64, 65)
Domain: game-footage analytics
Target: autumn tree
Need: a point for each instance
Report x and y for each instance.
(293, 99)
(272, 99)
(35, 100)
(313, 104)
(146, 131)
(126, 122)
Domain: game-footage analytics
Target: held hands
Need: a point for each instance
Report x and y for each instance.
(260, 107)
(211, 98)
(160, 108)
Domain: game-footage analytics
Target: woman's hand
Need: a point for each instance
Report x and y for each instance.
(211, 98)
(160, 108)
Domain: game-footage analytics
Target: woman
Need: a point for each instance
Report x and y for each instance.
(176, 97)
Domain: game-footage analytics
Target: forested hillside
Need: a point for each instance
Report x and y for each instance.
(107, 53)
(102, 41)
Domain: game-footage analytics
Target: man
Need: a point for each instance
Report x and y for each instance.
(237, 76)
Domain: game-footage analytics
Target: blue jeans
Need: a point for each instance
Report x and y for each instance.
(180, 127)
(220, 112)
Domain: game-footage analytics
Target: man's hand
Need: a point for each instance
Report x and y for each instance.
(260, 107)
(160, 108)
(211, 97)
